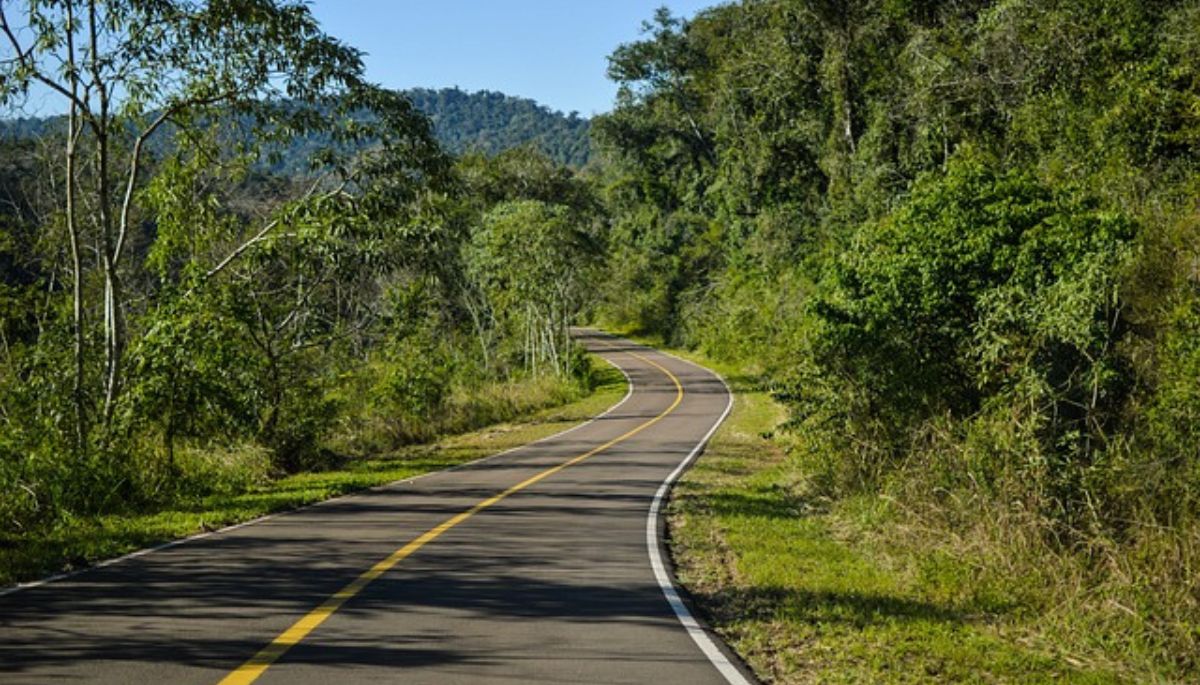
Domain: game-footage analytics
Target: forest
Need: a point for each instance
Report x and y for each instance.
(957, 240)
(489, 122)
(481, 122)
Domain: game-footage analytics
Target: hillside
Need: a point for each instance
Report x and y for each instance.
(491, 122)
(485, 121)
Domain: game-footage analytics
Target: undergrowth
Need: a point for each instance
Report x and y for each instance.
(219, 486)
(909, 583)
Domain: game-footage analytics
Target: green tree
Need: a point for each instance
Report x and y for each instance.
(534, 264)
(124, 70)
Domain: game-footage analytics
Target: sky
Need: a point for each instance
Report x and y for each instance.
(553, 51)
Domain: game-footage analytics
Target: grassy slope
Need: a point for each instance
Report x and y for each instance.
(815, 592)
(86, 540)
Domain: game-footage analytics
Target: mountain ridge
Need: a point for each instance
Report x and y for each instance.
(482, 121)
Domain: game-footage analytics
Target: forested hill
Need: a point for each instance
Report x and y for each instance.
(485, 121)
(492, 122)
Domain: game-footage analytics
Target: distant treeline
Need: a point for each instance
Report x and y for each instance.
(485, 122)
(490, 123)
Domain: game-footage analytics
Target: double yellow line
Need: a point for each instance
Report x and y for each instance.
(260, 662)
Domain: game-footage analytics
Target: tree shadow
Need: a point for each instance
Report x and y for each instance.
(857, 609)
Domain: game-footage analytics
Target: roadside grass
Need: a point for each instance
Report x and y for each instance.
(82, 541)
(810, 590)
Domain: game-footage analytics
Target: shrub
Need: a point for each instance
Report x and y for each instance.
(985, 289)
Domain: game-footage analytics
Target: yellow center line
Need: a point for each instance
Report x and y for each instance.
(260, 662)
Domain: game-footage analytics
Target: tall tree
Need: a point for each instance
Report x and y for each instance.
(127, 69)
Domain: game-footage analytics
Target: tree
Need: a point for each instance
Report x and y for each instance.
(533, 264)
(127, 71)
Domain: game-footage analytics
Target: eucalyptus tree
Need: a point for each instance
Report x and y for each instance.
(535, 265)
(131, 72)
(516, 176)
(286, 290)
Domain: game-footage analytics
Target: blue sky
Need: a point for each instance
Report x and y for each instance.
(554, 51)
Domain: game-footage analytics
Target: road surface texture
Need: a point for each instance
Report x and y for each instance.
(533, 566)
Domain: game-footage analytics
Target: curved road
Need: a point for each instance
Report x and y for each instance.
(527, 567)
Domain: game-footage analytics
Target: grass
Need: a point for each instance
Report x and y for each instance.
(82, 541)
(811, 590)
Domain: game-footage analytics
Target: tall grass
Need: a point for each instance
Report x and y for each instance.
(372, 420)
(373, 437)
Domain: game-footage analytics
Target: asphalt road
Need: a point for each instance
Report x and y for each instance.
(533, 566)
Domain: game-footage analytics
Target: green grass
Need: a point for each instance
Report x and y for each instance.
(813, 591)
(80, 542)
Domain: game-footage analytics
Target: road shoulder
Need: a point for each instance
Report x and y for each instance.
(811, 591)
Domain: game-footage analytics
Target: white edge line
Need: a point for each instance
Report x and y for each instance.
(357, 493)
(654, 546)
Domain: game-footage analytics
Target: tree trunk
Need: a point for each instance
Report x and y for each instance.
(77, 314)
(844, 85)
(115, 335)
(114, 330)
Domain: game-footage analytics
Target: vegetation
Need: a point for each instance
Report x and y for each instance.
(186, 336)
(950, 246)
(487, 122)
(957, 241)
(483, 122)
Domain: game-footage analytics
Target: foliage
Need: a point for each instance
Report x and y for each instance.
(532, 261)
(958, 239)
(490, 123)
(980, 287)
(165, 299)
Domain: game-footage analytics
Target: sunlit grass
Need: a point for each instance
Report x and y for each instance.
(806, 591)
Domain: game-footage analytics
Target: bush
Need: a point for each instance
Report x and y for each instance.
(194, 377)
(984, 291)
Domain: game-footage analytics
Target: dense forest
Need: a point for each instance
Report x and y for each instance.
(489, 122)
(958, 240)
(482, 122)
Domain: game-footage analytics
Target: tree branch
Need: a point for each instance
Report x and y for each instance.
(22, 57)
(263, 233)
(135, 162)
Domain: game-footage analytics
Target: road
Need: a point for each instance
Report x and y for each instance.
(534, 566)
